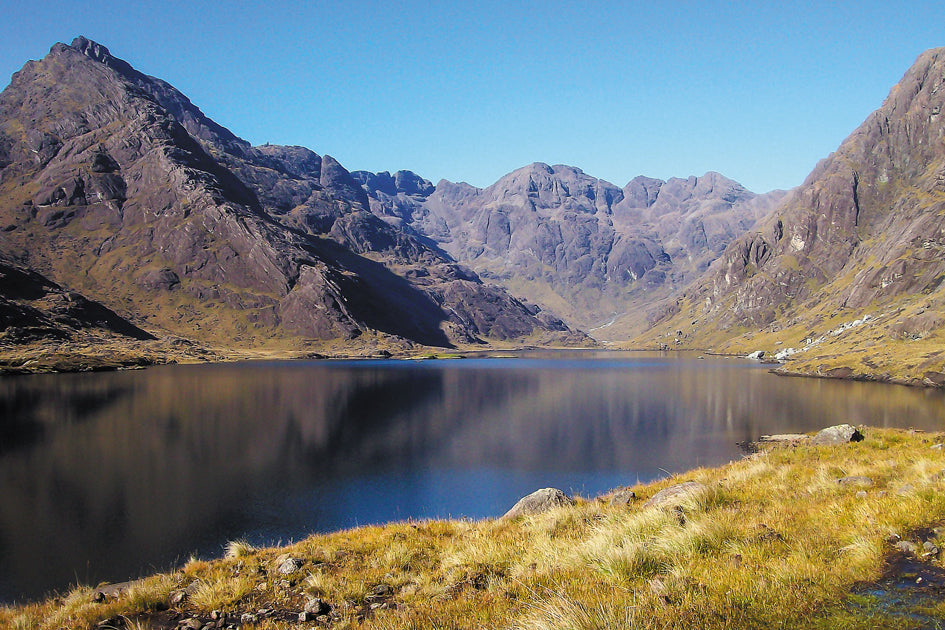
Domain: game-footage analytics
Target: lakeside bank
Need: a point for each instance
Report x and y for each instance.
(800, 535)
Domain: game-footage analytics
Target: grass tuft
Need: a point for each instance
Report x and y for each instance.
(236, 549)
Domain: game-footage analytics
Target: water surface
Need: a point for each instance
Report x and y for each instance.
(109, 476)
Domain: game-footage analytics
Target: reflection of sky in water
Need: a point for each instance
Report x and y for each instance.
(104, 476)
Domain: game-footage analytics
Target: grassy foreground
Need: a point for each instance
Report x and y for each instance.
(773, 540)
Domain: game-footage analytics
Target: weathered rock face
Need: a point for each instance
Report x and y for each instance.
(115, 185)
(866, 229)
(578, 244)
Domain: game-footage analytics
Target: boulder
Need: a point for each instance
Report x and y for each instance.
(538, 502)
(839, 434)
(674, 495)
(757, 355)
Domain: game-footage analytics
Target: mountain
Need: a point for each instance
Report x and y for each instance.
(114, 185)
(578, 245)
(846, 276)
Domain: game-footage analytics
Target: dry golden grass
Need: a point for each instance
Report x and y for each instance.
(773, 541)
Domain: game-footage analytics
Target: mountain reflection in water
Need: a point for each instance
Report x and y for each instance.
(107, 476)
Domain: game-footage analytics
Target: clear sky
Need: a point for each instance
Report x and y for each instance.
(468, 91)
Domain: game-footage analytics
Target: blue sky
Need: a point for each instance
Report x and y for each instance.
(471, 91)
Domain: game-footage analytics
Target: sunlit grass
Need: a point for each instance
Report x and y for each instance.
(772, 540)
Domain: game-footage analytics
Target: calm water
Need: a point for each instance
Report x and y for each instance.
(108, 476)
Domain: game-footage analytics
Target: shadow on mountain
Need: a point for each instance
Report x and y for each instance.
(386, 302)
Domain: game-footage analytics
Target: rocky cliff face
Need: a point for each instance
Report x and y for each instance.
(863, 236)
(580, 245)
(115, 185)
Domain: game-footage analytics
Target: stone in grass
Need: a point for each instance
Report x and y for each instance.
(316, 606)
(674, 495)
(906, 547)
(855, 480)
(623, 496)
(539, 501)
(839, 434)
(289, 565)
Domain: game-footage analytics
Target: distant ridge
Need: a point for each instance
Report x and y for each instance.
(577, 244)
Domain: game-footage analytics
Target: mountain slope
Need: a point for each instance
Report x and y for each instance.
(859, 251)
(115, 185)
(574, 243)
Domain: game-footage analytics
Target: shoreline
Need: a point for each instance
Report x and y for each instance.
(64, 361)
(734, 524)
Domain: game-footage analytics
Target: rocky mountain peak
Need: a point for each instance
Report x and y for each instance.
(116, 186)
(92, 50)
(864, 233)
(402, 182)
(559, 186)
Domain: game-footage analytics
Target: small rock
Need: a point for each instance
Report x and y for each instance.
(316, 607)
(676, 493)
(246, 618)
(98, 597)
(905, 546)
(624, 496)
(306, 616)
(538, 502)
(381, 591)
(861, 494)
(178, 597)
(215, 614)
(289, 565)
(930, 548)
(904, 490)
(938, 447)
(192, 624)
(262, 612)
(839, 434)
(855, 480)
